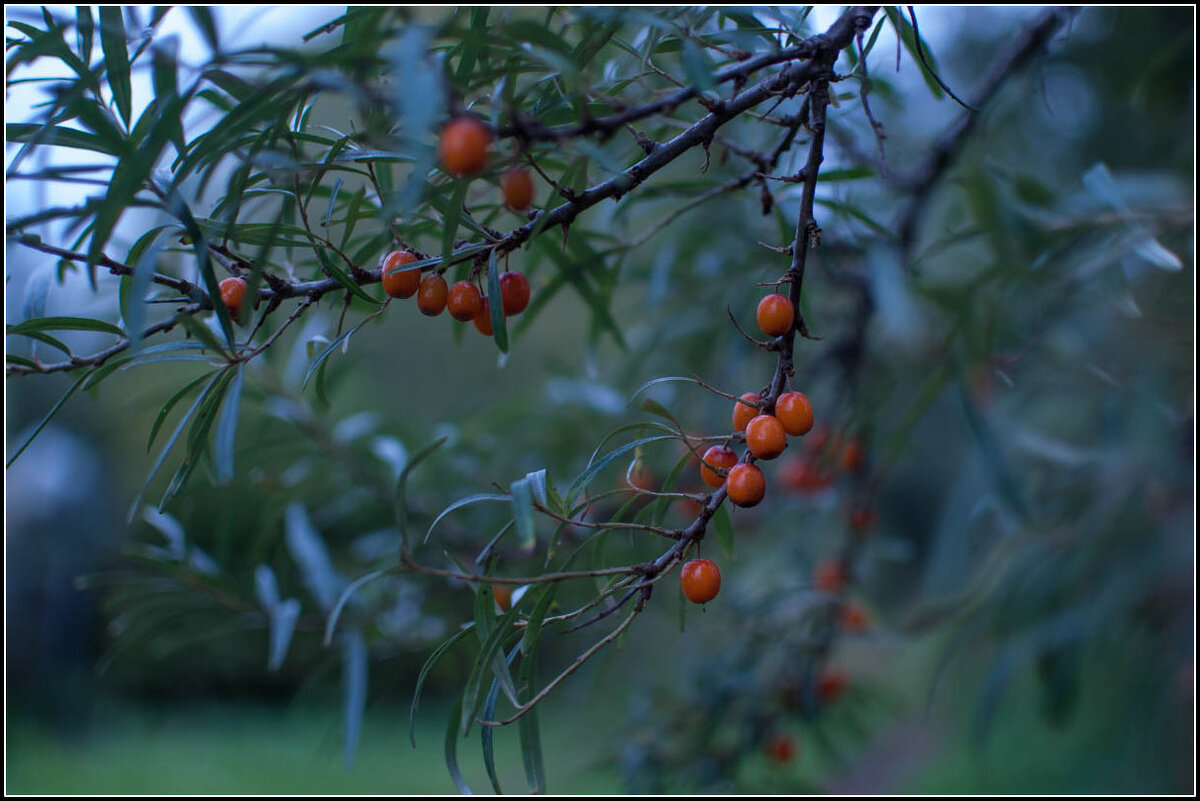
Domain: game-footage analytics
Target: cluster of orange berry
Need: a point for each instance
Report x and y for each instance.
(464, 148)
(464, 300)
(766, 438)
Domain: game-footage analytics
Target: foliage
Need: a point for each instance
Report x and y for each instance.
(978, 325)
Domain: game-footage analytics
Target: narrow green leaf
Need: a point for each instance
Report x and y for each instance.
(522, 506)
(496, 304)
(425, 668)
(401, 492)
(452, 750)
(64, 324)
(724, 531)
(46, 420)
(114, 43)
(594, 468)
(170, 404)
(223, 444)
(467, 501)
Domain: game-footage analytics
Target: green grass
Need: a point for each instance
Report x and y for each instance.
(226, 748)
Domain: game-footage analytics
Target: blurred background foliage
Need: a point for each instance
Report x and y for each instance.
(1020, 374)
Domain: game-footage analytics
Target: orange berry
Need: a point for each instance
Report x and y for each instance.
(746, 485)
(641, 477)
(514, 292)
(852, 459)
(781, 749)
(701, 580)
(830, 577)
(854, 617)
(502, 594)
(431, 295)
(765, 437)
(517, 186)
(232, 292)
(861, 518)
(720, 457)
(833, 682)
(819, 439)
(464, 301)
(775, 315)
(804, 474)
(483, 320)
(402, 284)
(795, 412)
(743, 413)
(463, 146)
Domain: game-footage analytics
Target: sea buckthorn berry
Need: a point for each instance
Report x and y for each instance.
(431, 295)
(861, 518)
(404, 283)
(718, 456)
(463, 146)
(830, 577)
(483, 320)
(781, 749)
(502, 594)
(743, 413)
(775, 315)
(641, 477)
(514, 291)
(765, 437)
(232, 292)
(833, 682)
(852, 459)
(701, 580)
(795, 412)
(854, 617)
(464, 301)
(746, 485)
(517, 186)
(804, 474)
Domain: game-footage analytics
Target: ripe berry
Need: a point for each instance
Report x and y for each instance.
(701, 580)
(464, 301)
(833, 682)
(718, 456)
(861, 518)
(431, 295)
(830, 577)
(401, 284)
(514, 291)
(517, 186)
(803, 474)
(463, 146)
(852, 459)
(854, 617)
(641, 477)
(775, 315)
(746, 485)
(502, 594)
(483, 320)
(781, 749)
(795, 412)
(232, 292)
(765, 437)
(743, 413)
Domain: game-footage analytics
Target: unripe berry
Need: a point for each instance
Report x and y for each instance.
(775, 315)
(795, 412)
(463, 146)
(514, 292)
(464, 301)
(517, 186)
(233, 290)
(718, 456)
(746, 485)
(431, 295)
(701, 580)
(765, 437)
(743, 413)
